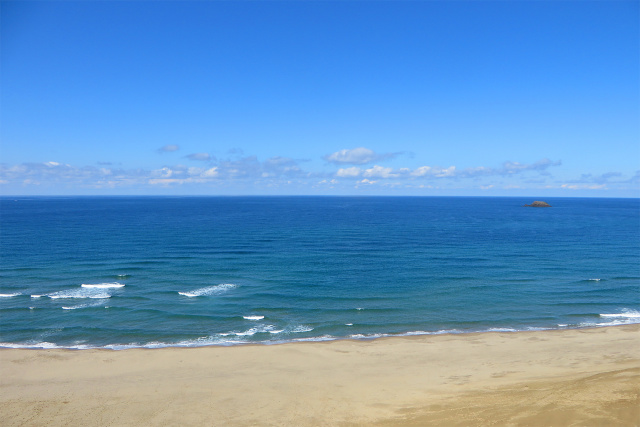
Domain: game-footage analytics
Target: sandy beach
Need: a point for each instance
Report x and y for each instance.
(586, 377)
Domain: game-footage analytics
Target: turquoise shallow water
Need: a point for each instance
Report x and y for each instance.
(122, 272)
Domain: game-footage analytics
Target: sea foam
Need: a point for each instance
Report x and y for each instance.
(81, 293)
(103, 285)
(44, 345)
(257, 330)
(629, 314)
(88, 305)
(209, 290)
(625, 317)
(9, 295)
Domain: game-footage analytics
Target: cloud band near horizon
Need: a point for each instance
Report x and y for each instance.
(279, 172)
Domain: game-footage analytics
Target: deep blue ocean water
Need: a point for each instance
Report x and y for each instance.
(120, 272)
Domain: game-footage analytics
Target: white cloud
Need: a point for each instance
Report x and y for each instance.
(356, 156)
(246, 167)
(365, 182)
(281, 166)
(331, 182)
(380, 172)
(584, 186)
(56, 173)
(165, 172)
(441, 173)
(278, 172)
(433, 171)
(210, 173)
(168, 148)
(509, 168)
(421, 171)
(164, 181)
(17, 169)
(540, 165)
(351, 172)
(479, 171)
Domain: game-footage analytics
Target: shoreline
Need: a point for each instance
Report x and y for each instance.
(321, 339)
(585, 376)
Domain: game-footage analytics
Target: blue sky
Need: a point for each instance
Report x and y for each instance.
(495, 98)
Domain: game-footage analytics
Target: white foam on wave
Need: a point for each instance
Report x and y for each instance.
(404, 334)
(36, 296)
(44, 345)
(317, 339)
(209, 290)
(502, 330)
(367, 336)
(34, 345)
(9, 295)
(422, 333)
(256, 330)
(594, 280)
(625, 317)
(248, 333)
(197, 342)
(93, 293)
(223, 339)
(88, 305)
(629, 314)
(103, 285)
(614, 322)
(439, 332)
(266, 328)
(241, 338)
(253, 317)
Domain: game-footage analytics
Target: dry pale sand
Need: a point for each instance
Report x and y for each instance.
(586, 377)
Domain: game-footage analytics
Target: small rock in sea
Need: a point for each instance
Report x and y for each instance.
(539, 204)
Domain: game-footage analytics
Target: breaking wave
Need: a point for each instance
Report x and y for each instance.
(94, 293)
(209, 290)
(98, 303)
(103, 285)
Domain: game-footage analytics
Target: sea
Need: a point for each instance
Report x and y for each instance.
(152, 272)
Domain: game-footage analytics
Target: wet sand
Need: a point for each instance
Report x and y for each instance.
(586, 377)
